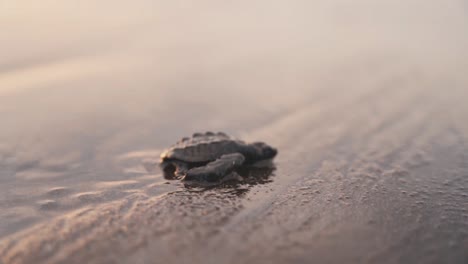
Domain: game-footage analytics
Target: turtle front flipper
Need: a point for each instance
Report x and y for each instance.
(215, 170)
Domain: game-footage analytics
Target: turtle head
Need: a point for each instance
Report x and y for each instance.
(264, 151)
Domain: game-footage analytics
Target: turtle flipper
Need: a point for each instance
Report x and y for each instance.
(216, 170)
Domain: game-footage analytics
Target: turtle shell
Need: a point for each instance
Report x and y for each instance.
(203, 147)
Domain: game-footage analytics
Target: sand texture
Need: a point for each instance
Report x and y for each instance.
(366, 102)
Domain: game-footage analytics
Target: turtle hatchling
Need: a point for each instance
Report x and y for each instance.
(212, 157)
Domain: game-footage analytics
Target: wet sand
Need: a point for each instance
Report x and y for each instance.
(366, 103)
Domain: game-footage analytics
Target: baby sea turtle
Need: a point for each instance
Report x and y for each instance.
(212, 157)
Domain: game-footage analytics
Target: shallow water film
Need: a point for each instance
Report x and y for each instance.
(365, 100)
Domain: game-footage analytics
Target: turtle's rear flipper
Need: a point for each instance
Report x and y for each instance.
(215, 170)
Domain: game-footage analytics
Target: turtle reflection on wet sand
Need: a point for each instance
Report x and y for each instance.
(208, 158)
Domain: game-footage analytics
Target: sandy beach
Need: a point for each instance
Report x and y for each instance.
(366, 102)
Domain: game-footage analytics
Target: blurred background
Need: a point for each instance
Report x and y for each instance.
(89, 89)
